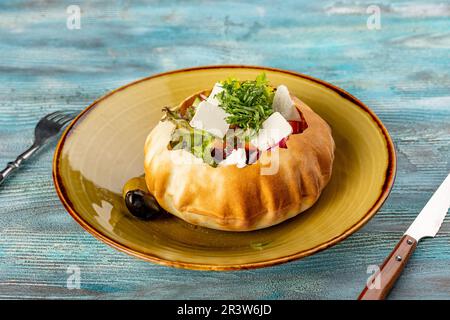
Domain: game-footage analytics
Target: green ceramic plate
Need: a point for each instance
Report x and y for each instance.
(103, 147)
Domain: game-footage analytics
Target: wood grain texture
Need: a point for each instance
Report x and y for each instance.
(402, 71)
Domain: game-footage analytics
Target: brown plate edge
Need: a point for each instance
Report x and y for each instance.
(386, 189)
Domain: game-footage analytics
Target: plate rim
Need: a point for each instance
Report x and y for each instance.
(384, 192)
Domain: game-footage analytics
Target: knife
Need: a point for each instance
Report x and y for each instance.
(427, 224)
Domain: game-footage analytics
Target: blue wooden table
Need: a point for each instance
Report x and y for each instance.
(401, 70)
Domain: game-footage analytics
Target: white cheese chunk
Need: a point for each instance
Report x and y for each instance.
(283, 103)
(212, 96)
(211, 118)
(237, 157)
(273, 130)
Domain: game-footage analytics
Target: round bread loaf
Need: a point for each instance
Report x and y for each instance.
(279, 185)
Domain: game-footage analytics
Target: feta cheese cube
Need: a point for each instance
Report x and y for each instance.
(212, 96)
(283, 103)
(273, 130)
(211, 118)
(237, 157)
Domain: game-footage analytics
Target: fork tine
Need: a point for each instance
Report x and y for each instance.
(58, 117)
(66, 119)
(50, 116)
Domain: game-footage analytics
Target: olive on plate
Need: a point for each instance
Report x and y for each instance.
(139, 201)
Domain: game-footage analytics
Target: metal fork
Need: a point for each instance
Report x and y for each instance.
(48, 127)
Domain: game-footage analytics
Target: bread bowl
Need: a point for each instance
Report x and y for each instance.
(282, 181)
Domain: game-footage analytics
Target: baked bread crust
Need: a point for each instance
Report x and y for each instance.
(241, 199)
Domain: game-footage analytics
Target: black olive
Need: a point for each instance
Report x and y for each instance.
(142, 205)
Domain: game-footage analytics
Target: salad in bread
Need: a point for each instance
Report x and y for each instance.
(236, 122)
(240, 156)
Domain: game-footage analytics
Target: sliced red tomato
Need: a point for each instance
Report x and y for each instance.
(295, 126)
(298, 126)
(282, 143)
(221, 149)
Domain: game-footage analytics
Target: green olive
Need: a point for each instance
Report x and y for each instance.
(137, 183)
(139, 201)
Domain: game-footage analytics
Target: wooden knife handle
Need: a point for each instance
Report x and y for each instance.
(382, 281)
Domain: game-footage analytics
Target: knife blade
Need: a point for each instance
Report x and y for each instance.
(429, 220)
(426, 224)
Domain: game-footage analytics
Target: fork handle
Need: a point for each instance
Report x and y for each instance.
(13, 165)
